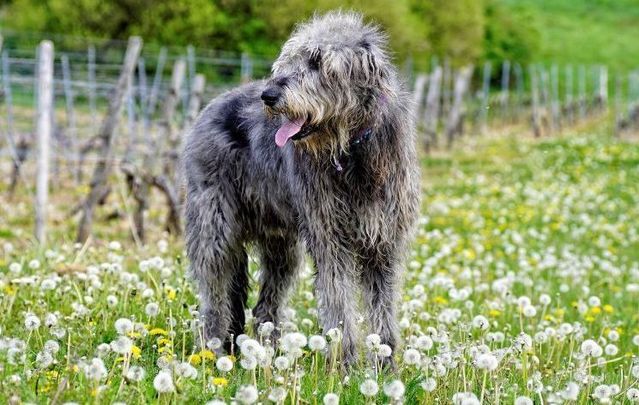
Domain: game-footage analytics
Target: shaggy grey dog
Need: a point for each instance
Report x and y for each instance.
(321, 156)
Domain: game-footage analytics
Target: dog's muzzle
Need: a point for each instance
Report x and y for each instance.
(271, 95)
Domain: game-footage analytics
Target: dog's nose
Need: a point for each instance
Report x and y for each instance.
(271, 96)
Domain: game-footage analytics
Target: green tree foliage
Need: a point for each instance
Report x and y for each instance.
(511, 33)
(463, 31)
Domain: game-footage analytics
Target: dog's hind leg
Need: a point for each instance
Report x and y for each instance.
(380, 290)
(218, 262)
(281, 258)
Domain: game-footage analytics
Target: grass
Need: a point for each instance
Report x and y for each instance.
(523, 281)
(587, 31)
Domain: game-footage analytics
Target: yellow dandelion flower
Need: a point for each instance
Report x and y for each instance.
(136, 352)
(440, 300)
(494, 313)
(590, 319)
(595, 310)
(170, 293)
(220, 381)
(165, 349)
(207, 355)
(134, 335)
(195, 359)
(164, 341)
(158, 331)
(608, 308)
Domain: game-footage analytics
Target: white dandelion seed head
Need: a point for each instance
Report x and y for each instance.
(224, 364)
(316, 343)
(123, 326)
(251, 348)
(331, 399)
(633, 395)
(545, 300)
(31, 322)
(15, 268)
(395, 389)
(214, 344)
(34, 264)
(95, 370)
(529, 311)
(135, 374)
(465, 398)
(369, 388)
(334, 335)
(373, 341)
(602, 391)
(611, 349)
(411, 357)
(185, 370)
(634, 371)
(523, 401)
(51, 346)
(265, 329)
(481, 322)
(44, 359)
(429, 384)
(248, 362)
(591, 348)
(277, 395)
(152, 309)
(384, 351)
(424, 343)
(246, 394)
(487, 361)
(163, 382)
(122, 345)
(281, 363)
(112, 300)
(594, 301)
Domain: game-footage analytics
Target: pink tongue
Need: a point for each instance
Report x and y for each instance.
(287, 131)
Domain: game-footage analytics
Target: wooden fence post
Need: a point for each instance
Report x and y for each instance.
(555, 106)
(71, 122)
(454, 125)
(91, 80)
(44, 123)
(485, 93)
(534, 89)
(431, 112)
(582, 92)
(418, 93)
(106, 137)
(569, 99)
(505, 88)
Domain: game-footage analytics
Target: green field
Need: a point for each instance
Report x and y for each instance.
(523, 281)
(586, 31)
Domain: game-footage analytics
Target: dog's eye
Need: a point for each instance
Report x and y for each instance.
(314, 61)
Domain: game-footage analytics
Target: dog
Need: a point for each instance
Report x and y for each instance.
(319, 158)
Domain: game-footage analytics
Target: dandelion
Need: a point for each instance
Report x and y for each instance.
(395, 389)
(429, 384)
(152, 309)
(224, 364)
(331, 399)
(123, 326)
(281, 363)
(602, 392)
(95, 370)
(122, 345)
(411, 357)
(611, 349)
(487, 361)
(523, 401)
(265, 329)
(480, 322)
(465, 398)
(632, 394)
(529, 311)
(112, 301)
(384, 351)
(316, 343)
(214, 344)
(635, 340)
(424, 343)
(373, 341)
(248, 363)
(277, 395)
(15, 268)
(135, 374)
(246, 394)
(369, 388)
(51, 346)
(185, 370)
(634, 371)
(544, 299)
(44, 359)
(34, 264)
(590, 348)
(163, 382)
(31, 322)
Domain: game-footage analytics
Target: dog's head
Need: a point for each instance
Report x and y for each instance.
(328, 81)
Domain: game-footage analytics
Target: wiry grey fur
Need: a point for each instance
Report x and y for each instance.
(351, 202)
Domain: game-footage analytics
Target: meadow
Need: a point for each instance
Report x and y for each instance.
(522, 286)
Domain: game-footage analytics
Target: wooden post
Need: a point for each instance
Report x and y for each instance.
(195, 102)
(106, 137)
(602, 90)
(44, 123)
(454, 125)
(167, 132)
(569, 96)
(70, 111)
(144, 98)
(547, 118)
(582, 92)
(418, 93)
(534, 89)
(431, 112)
(157, 80)
(555, 107)
(246, 68)
(618, 107)
(91, 80)
(8, 95)
(505, 87)
(519, 83)
(485, 93)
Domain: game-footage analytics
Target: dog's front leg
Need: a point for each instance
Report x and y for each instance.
(336, 292)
